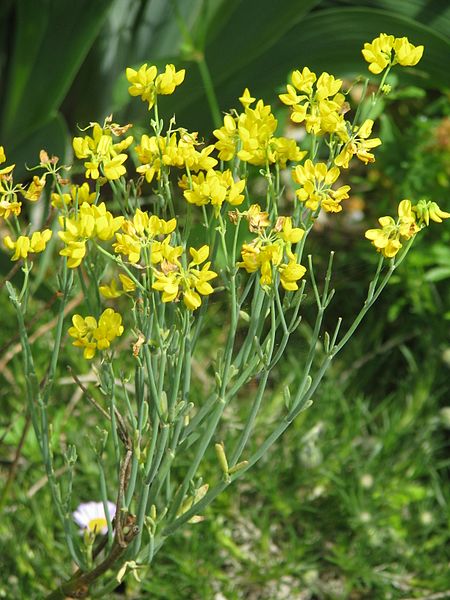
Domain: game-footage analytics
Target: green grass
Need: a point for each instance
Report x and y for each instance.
(353, 502)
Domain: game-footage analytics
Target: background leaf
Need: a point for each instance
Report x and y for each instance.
(51, 39)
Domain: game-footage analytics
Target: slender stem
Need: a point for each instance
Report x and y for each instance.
(243, 439)
(209, 89)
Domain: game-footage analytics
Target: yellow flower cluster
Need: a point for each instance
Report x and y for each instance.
(357, 142)
(387, 50)
(9, 202)
(171, 277)
(153, 246)
(388, 239)
(317, 102)
(143, 231)
(79, 194)
(426, 210)
(104, 156)
(146, 83)
(191, 282)
(34, 191)
(316, 191)
(89, 222)
(112, 291)
(213, 187)
(25, 245)
(272, 252)
(250, 137)
(93, 336)
(179, 150)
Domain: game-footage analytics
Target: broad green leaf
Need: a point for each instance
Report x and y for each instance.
(134, 32)
(253, 29)
(29, 35)
(233, 49)
(435, 14)
(52, 39)
(325, 40)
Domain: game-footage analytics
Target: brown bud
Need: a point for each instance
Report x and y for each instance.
(168, 267)
(120, 129)
(279, 224)
(233, 215)
(43, 157)
(138, 344)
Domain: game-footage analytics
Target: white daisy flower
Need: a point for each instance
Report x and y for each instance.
(90, 516)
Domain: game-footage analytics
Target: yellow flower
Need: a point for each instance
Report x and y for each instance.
(9, 207)
(378, 52)
(320, 108)
(290, 273)
(287, 233)
(91, 221)
(34, 190)
(142, 232)
(357, 143)
(78, 195)
(165, 255)
(281, 150)
(227, 137)
(183, 152)
(82, 193)
(256, 127)
(406, 54)
(266, 254)
(6, 170)
(128, 284)
(214, 187)
(191, 283)
(426, 210)
(149, 153)
(250, 137)
(25, 245)
(385, 50)
(93, 336)
(109, 327)
(388, 239)
(113, 168)
(102, 152)
(39, 240)
(142, 83)
(75, 251)
(147, 84)
(246, 99)
(9, 204)
(128, 245)
(316, 191)
(83, 331)
(60, 200)
(167, 82)
(110, 291)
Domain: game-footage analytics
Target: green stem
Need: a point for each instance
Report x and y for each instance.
(209, 89)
